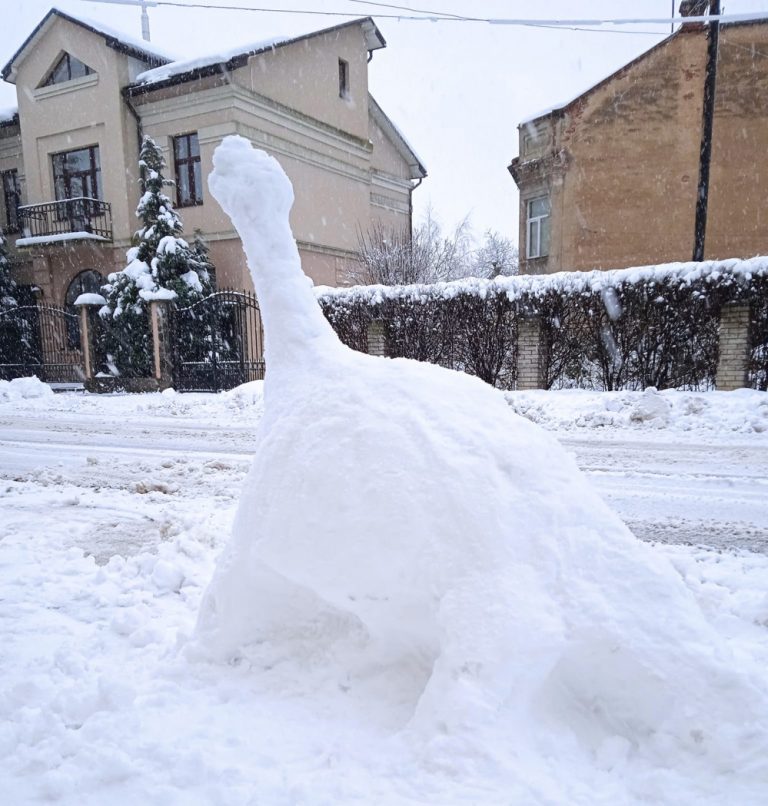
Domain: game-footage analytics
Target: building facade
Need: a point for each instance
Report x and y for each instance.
(86, 97)
(610, 180)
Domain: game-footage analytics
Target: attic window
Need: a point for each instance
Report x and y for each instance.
(343, 79)
(67, 68)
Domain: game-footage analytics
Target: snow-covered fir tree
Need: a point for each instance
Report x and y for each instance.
(8, 289)
(206, 271)
(161, 265)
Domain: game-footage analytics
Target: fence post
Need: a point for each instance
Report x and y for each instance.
(529, 369)
(733, 344)
(85, 302)
(377, 339)
(162, 358)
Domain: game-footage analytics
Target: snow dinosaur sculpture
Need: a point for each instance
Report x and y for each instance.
(410, 501)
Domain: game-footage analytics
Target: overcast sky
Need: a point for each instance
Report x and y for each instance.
(456, 90)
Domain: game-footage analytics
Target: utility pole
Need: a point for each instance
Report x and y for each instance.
(144, 16)
(707, 119)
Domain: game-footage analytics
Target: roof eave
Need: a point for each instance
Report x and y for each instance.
(417, 168)
(373, 41)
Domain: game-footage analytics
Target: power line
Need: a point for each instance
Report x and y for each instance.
(442, 14)
(429, 16)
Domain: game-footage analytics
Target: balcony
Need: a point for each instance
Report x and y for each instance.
(78, 219)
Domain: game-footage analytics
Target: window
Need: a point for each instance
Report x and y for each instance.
(343, 79)
(189, 179)
(12, 199)
(538, 227)
(77, 174)
(67, 68)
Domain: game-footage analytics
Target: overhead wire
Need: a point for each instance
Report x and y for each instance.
(432, 16)
(425, 15)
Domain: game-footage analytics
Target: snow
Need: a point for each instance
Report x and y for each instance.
(742, 411)
(90, 299)
(132, 41)
(177, 68)
(717, 272)
(23, 389)
(114, 510)
(455, 561)
(60, 237)
(157, 294)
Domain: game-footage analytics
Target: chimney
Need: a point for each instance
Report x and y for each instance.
(693, 8)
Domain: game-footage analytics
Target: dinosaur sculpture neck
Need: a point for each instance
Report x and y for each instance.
(254, 191)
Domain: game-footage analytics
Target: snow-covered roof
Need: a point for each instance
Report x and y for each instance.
(418, 170)
(182, 66)
(118, 40)
(238, 55)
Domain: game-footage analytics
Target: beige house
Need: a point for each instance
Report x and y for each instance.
(86, 96)
(610, 179)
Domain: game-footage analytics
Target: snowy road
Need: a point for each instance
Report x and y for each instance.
(671, 487)
(710, 494)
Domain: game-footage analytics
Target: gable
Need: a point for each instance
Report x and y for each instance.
(138, 49)
(65, 69)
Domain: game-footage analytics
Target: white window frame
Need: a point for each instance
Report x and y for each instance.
(533, 228)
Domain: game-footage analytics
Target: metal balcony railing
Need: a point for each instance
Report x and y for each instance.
(66, 217)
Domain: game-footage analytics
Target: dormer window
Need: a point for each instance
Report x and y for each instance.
(67, 68)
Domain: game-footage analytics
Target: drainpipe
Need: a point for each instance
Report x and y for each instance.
(708, 113)
(136, 116)
(410, 205)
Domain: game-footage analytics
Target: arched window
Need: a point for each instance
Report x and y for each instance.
(87, 282)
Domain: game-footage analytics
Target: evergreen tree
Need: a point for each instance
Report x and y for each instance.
(8, 289)
(206, 271)
(160, 266)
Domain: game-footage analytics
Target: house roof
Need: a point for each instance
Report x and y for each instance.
(418, 171)
(223, 61)
(121, 42)
(563, 107)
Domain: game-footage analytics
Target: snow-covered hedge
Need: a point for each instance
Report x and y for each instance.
(623, 329)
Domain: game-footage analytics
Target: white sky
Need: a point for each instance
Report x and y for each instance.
(456, 90)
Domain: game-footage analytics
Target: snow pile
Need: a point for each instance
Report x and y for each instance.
(744, 410)
(732, 272)
(24, 389)
(403, 532)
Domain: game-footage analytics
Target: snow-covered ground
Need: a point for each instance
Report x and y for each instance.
(114, 509)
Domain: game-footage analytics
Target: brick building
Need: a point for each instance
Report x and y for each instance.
(610, 179)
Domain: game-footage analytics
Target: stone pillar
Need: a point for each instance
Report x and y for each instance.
(529, 369)
(161, 346)
(377, 339)
(733, 343)
(86, 302)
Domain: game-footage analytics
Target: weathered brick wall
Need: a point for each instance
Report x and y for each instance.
(529, 363)
(734, 347)
(377, 341)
